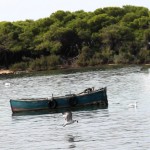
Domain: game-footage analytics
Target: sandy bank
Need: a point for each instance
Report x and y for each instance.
(3, 71)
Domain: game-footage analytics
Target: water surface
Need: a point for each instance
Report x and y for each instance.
(116, 128)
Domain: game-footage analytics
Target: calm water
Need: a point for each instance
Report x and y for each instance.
(116, 128)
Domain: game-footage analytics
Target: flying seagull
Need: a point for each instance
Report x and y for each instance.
(68, 118)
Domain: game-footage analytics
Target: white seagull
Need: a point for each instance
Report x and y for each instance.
(7, 84)
(68, 118)
(134, 105)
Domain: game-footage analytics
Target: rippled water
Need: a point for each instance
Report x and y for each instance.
(116, 128)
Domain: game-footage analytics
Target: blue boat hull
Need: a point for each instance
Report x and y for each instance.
(95, 97)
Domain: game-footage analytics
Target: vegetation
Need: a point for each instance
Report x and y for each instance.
(109, 35)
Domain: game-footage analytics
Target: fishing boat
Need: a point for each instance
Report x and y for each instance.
(89, 96)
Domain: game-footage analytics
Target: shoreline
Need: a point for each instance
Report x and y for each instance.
(8, 71)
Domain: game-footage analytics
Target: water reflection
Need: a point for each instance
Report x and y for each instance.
(62, 110)
(71, 139)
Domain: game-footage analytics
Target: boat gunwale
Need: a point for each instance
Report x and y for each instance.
(59, 97)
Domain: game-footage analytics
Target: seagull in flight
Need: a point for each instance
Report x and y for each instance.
(68, 118)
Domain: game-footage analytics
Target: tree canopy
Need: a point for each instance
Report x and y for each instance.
(110, 35)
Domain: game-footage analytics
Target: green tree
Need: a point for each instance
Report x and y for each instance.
(85, 56)
(97, 22)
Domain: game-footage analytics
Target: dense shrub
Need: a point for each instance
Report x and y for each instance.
(107, 35)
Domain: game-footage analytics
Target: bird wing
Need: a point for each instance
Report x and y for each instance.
(65, 115)
(69, 116)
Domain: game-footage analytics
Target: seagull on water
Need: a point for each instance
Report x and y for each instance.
(7, 84)
(134, 105)
(68, 118)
